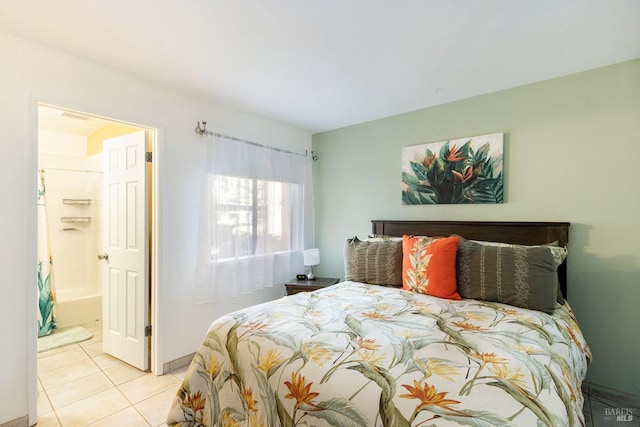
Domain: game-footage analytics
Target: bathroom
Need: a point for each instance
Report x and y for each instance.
(70, 161)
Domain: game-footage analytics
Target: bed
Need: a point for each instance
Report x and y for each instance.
(363, 353)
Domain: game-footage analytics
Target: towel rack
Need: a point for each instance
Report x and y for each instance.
(75, 219)
(83, 202)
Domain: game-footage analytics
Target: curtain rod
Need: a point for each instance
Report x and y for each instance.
(202, 130)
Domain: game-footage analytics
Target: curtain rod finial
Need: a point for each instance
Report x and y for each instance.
(201, 130)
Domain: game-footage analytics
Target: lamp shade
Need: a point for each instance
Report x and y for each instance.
(311, 256)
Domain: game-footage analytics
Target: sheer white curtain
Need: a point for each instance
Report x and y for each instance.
(256, 218)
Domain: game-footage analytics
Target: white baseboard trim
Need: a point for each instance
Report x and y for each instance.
(175, 364)
(18, 422)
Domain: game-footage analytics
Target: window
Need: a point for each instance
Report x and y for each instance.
(252, 217)
(256, 218)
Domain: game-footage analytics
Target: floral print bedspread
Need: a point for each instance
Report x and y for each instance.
(365, 355)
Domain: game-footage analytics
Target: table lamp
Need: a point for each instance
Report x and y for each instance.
(311, 258)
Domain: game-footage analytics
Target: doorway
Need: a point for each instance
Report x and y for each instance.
(71, 163)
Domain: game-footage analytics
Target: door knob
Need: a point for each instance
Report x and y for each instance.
(104, 257)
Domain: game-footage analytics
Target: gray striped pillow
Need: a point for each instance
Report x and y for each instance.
(523, 276)
(377, 261)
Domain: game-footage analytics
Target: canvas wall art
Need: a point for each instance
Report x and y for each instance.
(460, 171)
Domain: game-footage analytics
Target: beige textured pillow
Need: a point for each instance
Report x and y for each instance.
(523, 276)
(377, 261)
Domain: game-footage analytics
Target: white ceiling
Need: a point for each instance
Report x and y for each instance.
(53, 119)
(325, 64)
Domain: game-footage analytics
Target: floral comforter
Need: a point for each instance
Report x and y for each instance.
(364, 355)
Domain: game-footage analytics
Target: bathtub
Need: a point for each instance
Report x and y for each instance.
(77, 306)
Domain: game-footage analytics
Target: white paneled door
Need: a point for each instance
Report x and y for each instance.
(125, 306)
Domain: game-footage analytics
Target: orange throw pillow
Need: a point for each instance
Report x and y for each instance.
(429, 265)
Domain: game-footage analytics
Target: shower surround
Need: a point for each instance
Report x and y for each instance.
(74, 201)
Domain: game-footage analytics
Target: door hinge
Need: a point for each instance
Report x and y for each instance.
(148, 156)
(147, 331)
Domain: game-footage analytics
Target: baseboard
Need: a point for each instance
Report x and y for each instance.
(18, 422)
(596, 390)
(175, 364)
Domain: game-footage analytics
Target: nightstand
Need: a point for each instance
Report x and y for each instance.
(294, 286)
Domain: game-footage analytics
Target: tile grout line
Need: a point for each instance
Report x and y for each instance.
(117, 387)
(46, 391)
(102, 368)
(55, 413)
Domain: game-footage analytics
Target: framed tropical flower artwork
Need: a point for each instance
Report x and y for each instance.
(460, 171)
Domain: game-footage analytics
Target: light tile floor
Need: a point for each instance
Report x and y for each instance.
(80, 385)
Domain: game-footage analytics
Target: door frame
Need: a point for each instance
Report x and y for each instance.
(154, 215)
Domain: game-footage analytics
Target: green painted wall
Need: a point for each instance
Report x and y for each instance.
(572, 153)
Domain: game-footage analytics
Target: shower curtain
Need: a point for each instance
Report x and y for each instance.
(46, 292)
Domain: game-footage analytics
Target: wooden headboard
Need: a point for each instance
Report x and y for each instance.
(523, 233)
